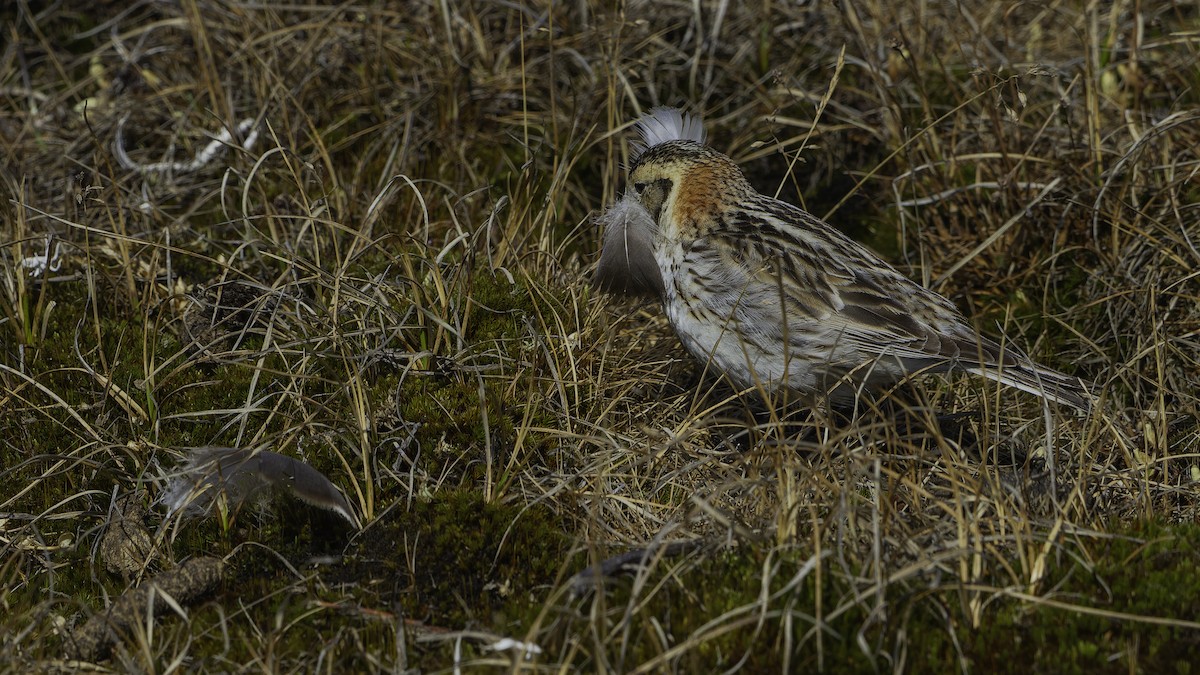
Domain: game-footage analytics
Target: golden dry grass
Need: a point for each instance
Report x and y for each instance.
(391, 282)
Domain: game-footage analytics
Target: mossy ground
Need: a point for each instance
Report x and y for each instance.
(391, 283)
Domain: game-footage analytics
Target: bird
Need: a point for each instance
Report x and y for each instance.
(775, 298)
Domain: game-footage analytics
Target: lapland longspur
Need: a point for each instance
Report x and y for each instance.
(773, 297)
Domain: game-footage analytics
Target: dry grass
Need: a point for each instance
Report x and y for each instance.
(383, 270)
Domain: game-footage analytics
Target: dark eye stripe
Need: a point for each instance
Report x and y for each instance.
(639, 186)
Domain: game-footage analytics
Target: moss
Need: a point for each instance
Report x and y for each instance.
(455, 560)
(499, 310)
(1157, 578)
(451, 404)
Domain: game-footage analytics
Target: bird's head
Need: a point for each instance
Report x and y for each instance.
(676, 186)
(677, 178)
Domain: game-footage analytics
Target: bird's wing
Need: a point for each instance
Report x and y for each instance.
(840, 287)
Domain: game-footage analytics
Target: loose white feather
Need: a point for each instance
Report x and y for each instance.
(663, 124)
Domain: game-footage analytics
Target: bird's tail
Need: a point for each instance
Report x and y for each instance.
(1049, 384)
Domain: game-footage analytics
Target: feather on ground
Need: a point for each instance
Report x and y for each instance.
(240, 475)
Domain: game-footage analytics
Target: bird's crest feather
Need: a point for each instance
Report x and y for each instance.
(663, 124)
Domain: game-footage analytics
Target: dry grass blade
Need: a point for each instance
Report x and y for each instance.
(363, 234)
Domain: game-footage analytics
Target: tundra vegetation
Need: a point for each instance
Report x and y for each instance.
(360, 236)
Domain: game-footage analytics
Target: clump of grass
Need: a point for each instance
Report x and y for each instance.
(382, 269)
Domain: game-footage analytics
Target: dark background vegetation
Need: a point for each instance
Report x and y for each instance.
(391, 283)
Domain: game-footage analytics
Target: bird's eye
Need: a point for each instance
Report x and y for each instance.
(653, 194)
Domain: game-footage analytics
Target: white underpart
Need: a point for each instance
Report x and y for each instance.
(717, 342)
(663, 124)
